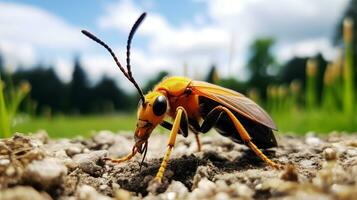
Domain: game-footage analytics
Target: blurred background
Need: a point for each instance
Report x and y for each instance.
(295, 58)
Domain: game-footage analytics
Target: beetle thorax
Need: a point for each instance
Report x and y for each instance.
(175, 89)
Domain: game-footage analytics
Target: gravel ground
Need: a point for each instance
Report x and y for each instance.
(36, 167)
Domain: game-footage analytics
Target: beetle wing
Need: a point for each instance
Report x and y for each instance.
(233, 100)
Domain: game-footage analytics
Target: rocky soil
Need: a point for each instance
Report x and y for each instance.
(36, 167)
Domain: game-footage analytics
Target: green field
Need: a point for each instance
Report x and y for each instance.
(320, 122)
(71, 126)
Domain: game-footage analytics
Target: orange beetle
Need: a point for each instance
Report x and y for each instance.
(197, 106)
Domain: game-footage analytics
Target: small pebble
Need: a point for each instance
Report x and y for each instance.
(47, 172)
(23, 193)
(41, 135)
(179, 189)
(312, 140)
(352, 152)
(258, 186)
(201, 172)
(330, 154)
(115, 186)
(243, 190)
(104, 137)
(171, 195)
(221, 184)
(103, 187)
(86, 192)
(10, 171)
(4, 162)
(307, 163)
(206, 186)
(88, 161)
(73, 150)
(221, 196)
(352, 143)
(121, 194)
(344, 191)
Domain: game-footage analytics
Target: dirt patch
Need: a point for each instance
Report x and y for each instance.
(74, 168)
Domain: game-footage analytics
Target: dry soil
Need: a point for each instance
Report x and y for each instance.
(36, 167)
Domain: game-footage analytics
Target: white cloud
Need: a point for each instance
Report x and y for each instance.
(64, 69)
(17, 54)
(286, 19)
(98, 65)
(155, 26)
(24, 23)
(168, 44)
(26, 30)
(218, 29)
(301, 27)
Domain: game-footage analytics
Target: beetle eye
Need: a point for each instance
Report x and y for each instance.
(160, 105)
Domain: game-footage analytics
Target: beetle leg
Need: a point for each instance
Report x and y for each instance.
(217, 111)
(171, 143)
(199, 146)
(168, 126)
(184, 124)
(195, 128)
(184, 129)
(211, 119)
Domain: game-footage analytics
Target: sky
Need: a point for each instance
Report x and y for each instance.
(195, 33)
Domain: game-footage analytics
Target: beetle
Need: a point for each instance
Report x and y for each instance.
(197, 106)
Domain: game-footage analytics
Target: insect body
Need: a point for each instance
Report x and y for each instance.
(197, 106)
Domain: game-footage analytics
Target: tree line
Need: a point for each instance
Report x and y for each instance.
(49, 94)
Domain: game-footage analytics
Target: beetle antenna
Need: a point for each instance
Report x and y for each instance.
(128, 45)
(127, 74)
(99, 41)
(130, 38)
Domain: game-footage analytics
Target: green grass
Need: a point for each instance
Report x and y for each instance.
(71, 126)
(9, 104)
(321, 122)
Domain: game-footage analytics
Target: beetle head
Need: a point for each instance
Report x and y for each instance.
(150, 114)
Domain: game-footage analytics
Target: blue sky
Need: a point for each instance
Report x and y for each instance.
(193, 32)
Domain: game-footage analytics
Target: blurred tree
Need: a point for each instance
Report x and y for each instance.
(47, 90)
(50, 96)
(350, 12)
(106, 97)
(295, 69)
(233, 84)
(79, 91)
(260, 60)
(1, 64)
(212, 76)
